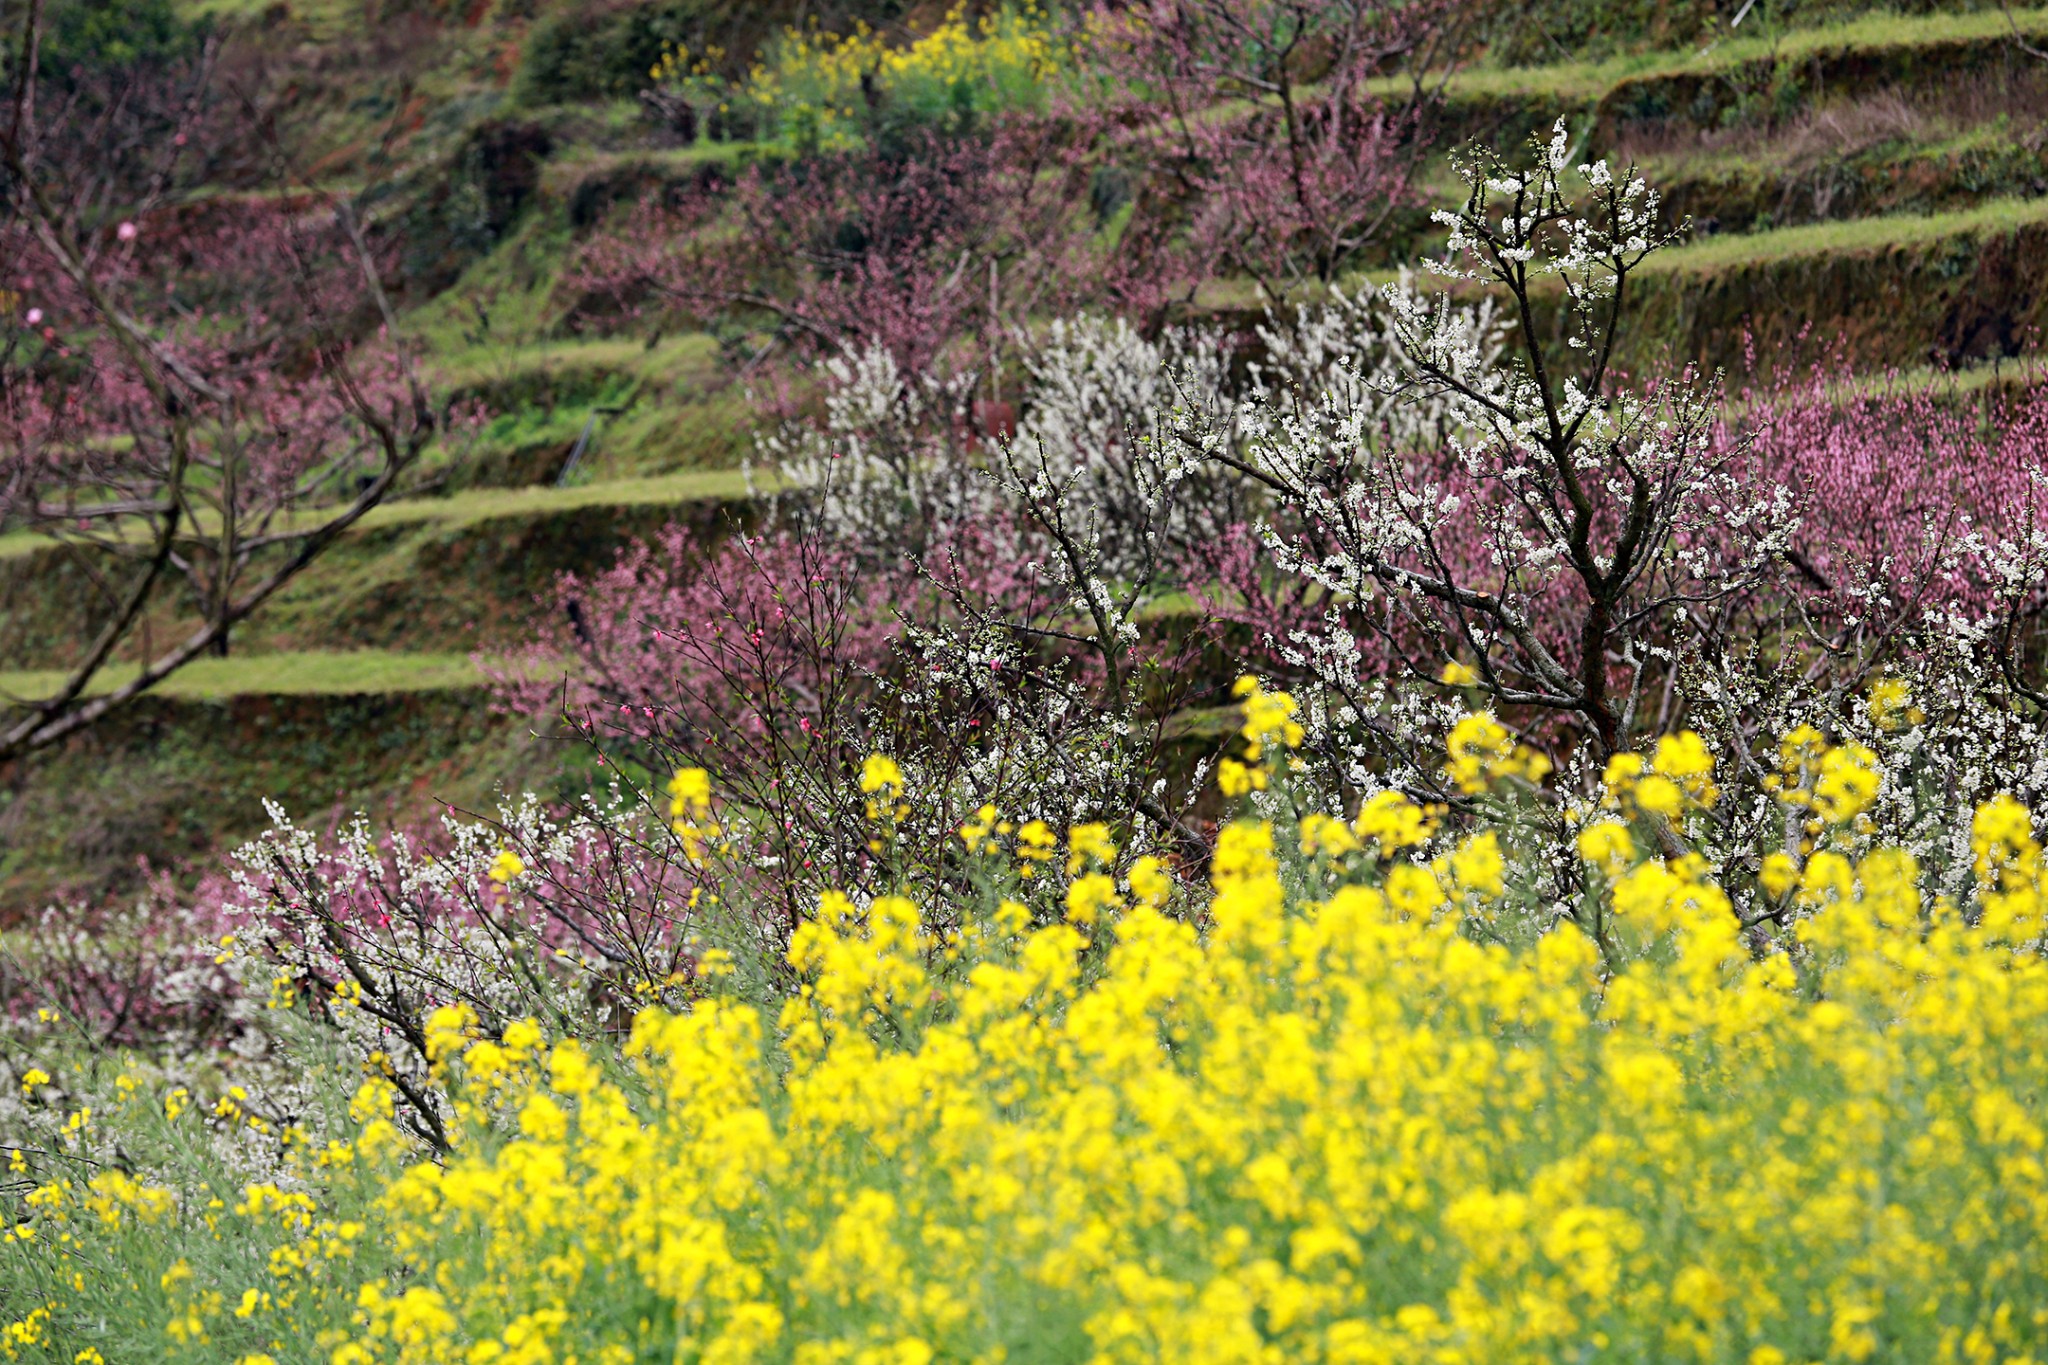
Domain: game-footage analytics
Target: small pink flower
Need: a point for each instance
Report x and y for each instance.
(35, 315)
(126, 232)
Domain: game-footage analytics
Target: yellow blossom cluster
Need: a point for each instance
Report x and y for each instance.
(506, 868)
(1269, 717)
(1677, 777)
(1892, 706)
(1482, 752)
(881, 781)
(689, 809)
(1837, 782)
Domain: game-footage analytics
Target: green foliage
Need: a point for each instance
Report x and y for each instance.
(579, 52)
(99, 35)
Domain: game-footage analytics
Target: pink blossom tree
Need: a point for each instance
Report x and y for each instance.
(1902, 480)
(192, 400)
(1916, 551)
(758, 658)
(942, 257)
(1267, 114)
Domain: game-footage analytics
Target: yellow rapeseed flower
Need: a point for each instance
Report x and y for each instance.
(689, 793)
(1847, 784)
(1482, 752)
(1340, 1112)
(1393, 821)
(879, 775)
(1267, 716)
(1087, 844)
(1607, 845)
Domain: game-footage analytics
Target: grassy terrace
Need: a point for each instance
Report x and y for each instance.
(358, 592)
(1579, 83)
(1735, 251)
(474, 507)
(318, 674)
(417, 572)
(1560, 87)
(486, 504)
(1853, 236)
(580, 364)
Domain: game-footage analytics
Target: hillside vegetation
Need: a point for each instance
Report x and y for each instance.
(1866, 179)
(870, 682)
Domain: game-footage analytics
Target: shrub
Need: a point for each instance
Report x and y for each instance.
(577, 53)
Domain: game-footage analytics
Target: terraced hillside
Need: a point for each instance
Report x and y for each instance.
(1877, 185)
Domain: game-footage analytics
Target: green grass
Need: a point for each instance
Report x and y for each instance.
(691, 357)
(514, 286)
(1897, 152)
(669, 406)
(1707, 255)
(1847, 237)
(565, 173)
(354, 673)
(485, 504)
(324, 20)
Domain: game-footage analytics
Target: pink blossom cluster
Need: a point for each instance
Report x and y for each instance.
(705, 648)
(1899, 482)
(260, 344)
(147, 976)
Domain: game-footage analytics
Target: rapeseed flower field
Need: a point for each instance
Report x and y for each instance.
(1326, 1116)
